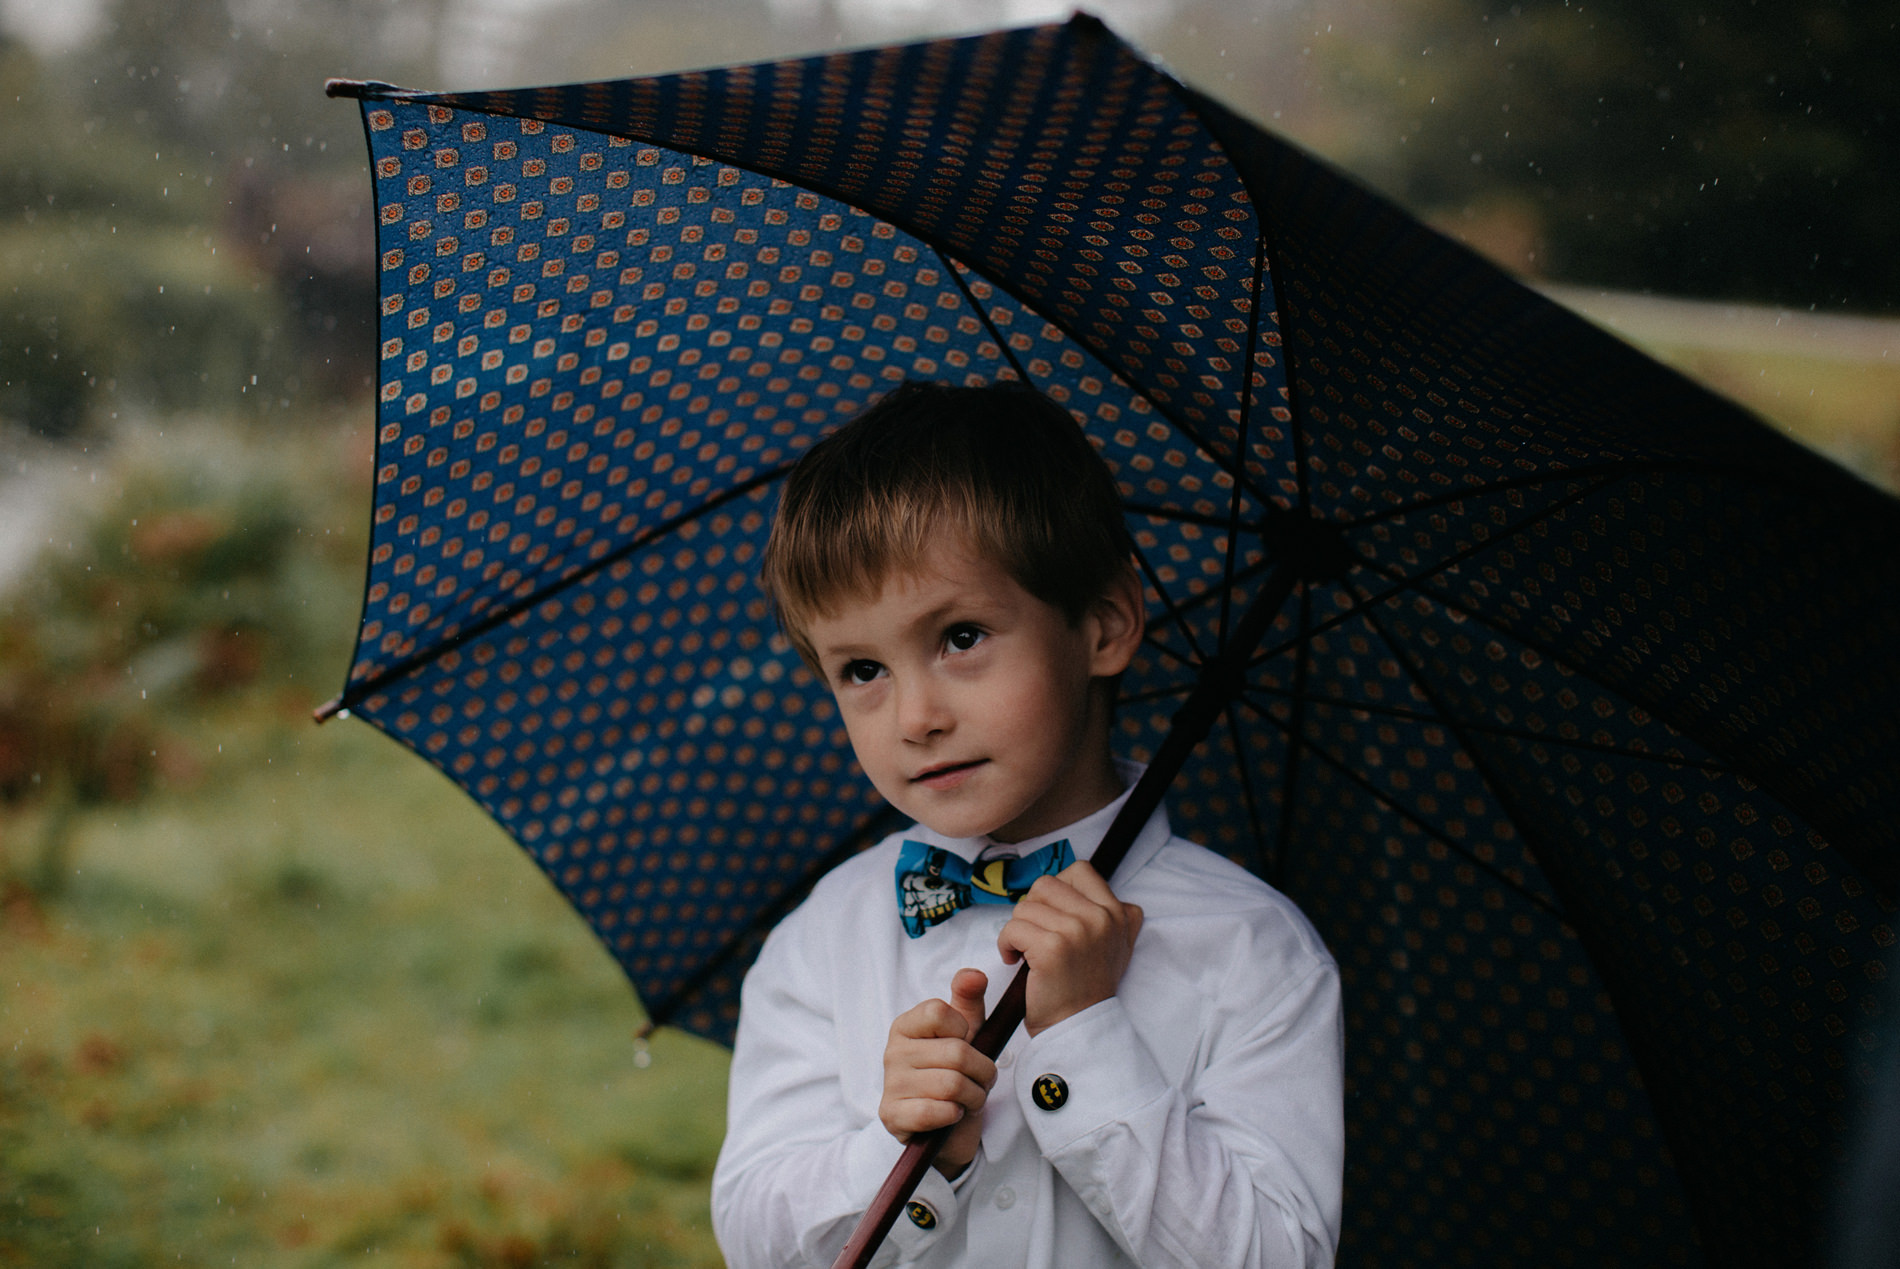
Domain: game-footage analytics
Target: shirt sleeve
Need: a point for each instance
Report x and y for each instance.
(1240, 1166)
(798, 1168)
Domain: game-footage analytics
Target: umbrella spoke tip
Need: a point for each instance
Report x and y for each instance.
(360, 89)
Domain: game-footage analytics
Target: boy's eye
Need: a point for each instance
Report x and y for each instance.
(861, 671)
(962, 638)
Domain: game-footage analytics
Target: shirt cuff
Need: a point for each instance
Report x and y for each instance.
(1086, 1071)
(868, 1158)
(928, 1215)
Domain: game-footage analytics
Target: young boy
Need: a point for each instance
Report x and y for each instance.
(954, 565)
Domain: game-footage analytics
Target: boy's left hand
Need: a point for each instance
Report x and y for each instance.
(1077, 937)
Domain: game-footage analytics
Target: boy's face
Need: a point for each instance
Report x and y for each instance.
(969, 701)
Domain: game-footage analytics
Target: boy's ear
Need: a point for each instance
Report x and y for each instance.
(1118, 621)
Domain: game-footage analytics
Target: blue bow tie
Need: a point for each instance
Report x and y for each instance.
(933, 883)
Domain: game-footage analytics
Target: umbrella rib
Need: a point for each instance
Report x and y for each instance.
(1266, 250)
(1246, 574)
(1520, 733)
(382, 678)
(1178, 658)
(1417, 674)
(1157, 693)
(1617, 467)
(951, 265)
(1246, 426)
(1183, 516)
(1177, 618)
(1246, 791)
(983, 314)
(1176, 615)
(1238, 468)
(1296, 738)
(1295, 414)
(1177, 611)
(1413, 817)
(876, 825)
(1545, 650)
(1449, 562)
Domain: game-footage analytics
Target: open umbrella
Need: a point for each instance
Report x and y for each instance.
(1572, 719)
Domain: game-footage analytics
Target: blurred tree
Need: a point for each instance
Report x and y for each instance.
(187, 227)
(1724, 148)
(111, 283)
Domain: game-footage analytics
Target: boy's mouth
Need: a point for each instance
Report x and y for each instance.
(947, 776)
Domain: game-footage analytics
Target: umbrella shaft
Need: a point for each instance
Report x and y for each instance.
(1219, 680)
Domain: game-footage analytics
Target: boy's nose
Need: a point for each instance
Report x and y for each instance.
(921, 712)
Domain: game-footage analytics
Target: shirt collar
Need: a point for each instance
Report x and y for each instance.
(1083, 836)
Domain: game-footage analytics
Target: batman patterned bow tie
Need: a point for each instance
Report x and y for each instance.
(933, 883)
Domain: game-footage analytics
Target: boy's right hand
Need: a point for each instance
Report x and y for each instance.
(932, 1077)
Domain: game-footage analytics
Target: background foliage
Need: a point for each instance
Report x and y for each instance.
(279, 995)
(1731, 149)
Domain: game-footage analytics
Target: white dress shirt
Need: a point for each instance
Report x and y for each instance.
(1203, 1124)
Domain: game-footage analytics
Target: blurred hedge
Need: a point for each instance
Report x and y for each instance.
(199, 567)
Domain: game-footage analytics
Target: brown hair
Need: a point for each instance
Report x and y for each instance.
(1001, 464)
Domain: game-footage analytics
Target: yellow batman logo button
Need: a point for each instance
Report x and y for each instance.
(1049, 1092)
(921, 1214)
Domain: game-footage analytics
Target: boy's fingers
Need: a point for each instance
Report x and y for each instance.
(1082, 877)
(945, 1054)
(921, 1097)
(1077, 889)
(1064, 911)
(936, 1085)
(933, 1079)
(931, 1020)
(907, 1119)
(1038, 930)
(907, 1056)
(906, 1116)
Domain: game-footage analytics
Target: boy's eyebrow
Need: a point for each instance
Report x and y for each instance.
(939, 616)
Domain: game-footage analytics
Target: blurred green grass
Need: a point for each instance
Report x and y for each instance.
(318, 1010)
(1829, 381)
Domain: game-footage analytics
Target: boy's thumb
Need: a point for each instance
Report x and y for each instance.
(966, 996)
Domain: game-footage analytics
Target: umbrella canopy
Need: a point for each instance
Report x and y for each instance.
(1575, 738)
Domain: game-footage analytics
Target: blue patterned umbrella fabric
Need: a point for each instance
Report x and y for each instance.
(1576, 737)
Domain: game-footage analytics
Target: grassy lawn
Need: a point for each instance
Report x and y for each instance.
(316, 1009)
(1831, 382)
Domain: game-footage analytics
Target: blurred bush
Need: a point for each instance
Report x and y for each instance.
(119, 284)
(199, 567)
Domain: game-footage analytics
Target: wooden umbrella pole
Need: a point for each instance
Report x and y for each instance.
(1219, 681)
